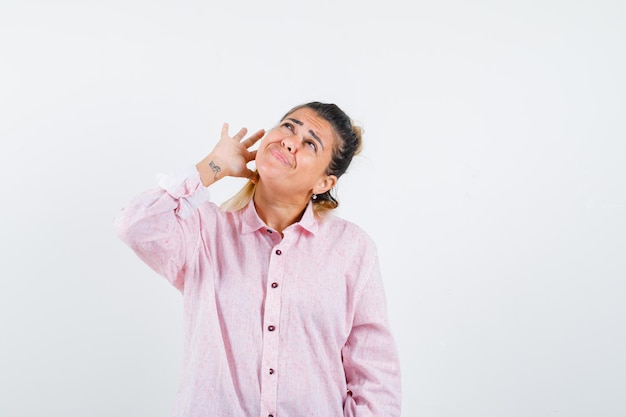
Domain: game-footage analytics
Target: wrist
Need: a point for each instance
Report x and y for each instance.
(210, 170)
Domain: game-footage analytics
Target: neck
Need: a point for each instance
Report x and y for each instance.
(278, 212)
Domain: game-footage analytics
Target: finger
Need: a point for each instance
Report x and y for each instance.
(254, 176)
(240, 134)
(252, 155)
(224, 129)
(254, 138)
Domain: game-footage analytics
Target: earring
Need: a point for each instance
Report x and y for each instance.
(314, 197)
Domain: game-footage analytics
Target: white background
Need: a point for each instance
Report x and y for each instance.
(493, 179)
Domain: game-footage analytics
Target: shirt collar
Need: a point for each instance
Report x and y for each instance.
(252, 222)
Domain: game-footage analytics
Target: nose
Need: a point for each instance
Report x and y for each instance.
(290, 143)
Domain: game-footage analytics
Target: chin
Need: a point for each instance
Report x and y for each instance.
(272, 175)
(270, 168)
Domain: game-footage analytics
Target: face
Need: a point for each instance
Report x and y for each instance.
(296, 153)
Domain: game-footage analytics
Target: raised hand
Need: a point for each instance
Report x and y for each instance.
(229, 157)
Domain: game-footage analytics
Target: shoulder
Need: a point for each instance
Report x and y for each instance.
(211, 214)
(351, 246)
(346, 231)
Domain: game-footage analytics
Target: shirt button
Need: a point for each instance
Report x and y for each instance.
(271, 328)
(271, 371)
(274, 284)
(278, 252)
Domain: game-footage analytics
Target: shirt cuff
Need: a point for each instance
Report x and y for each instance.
(186, 186)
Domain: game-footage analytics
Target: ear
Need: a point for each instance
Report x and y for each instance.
(324, 184)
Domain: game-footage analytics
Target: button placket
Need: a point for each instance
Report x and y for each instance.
(271, 336)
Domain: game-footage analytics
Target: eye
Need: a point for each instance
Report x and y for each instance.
(288, 126)
(312, 144)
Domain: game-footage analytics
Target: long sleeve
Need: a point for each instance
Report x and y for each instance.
(162, 225)
(370, 356)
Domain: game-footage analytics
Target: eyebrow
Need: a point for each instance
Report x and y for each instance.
(298, 122)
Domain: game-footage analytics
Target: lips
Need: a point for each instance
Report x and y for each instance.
(281, 156)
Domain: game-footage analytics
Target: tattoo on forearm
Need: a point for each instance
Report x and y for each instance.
(216, 169)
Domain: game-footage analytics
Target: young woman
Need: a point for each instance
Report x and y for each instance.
(284, 305)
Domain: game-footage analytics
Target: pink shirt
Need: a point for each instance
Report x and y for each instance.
(273, 327)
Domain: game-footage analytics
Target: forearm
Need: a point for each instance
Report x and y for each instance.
(370, 357)
(161, 225)
(373, 376)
